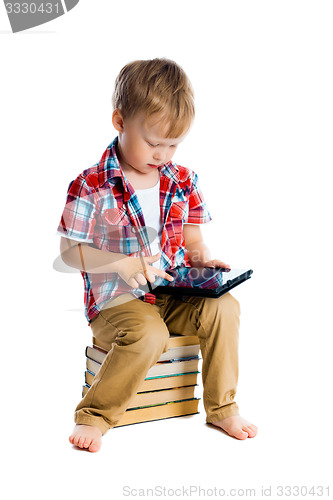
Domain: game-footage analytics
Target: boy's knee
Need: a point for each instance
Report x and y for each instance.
(230, 316)
(227, 306)
(231, 304)
(156, 336)
(150, 332)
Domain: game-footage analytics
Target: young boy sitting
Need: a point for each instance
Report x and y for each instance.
(135, 199)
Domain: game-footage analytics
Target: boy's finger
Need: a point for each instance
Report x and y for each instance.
(223, 265)
(153, 258)
(141, 279)
(217, 264)
(158, 272)
(168, 277)
(163, 274)
(151, 277)
(133, 283)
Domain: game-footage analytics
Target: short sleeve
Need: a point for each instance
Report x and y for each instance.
(197, 209)
(78, 217)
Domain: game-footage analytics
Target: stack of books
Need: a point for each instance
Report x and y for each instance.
(168, 389)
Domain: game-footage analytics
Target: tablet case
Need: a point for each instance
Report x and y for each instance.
(213, 282)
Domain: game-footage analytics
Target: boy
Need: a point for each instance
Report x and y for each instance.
(131, 217)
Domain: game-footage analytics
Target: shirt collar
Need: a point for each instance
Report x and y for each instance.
(109, 169)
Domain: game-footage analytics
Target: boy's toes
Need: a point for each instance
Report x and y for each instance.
(240, 433)
(81, 442)
(251, 430)
(86, 443)
(72, 438)
(76, 440)
(94, 446)
(86, 437)
(237, 427)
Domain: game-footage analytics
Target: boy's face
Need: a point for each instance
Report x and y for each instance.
(142, 146)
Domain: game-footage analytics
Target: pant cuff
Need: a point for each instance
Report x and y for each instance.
(98, 422)
(227, 411)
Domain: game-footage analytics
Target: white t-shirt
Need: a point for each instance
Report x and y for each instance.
(149, 200)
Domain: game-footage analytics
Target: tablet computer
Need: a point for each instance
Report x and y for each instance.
(201, 281)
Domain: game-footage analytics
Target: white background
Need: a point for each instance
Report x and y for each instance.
(262, 147)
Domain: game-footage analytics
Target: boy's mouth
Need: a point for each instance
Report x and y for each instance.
(153, 166)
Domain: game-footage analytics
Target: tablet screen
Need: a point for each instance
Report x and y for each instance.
(200, 277)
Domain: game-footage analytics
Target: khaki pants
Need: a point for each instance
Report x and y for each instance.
(136, 333)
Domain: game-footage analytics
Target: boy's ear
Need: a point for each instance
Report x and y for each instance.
(117, 120)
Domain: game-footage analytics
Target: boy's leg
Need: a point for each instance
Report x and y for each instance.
(136, 336)
(216, 322)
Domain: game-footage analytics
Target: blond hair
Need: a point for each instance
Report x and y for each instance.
(156, 87)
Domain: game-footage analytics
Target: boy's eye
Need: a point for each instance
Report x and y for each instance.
(155, 145)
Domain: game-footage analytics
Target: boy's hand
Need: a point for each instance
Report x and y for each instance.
(216, 263)
(131, 270)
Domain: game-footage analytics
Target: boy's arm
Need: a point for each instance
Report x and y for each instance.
(85, 257)
(198, 252)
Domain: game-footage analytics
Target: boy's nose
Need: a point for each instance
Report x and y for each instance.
(160, 156)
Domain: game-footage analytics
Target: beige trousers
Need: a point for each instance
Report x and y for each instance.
(136, 333)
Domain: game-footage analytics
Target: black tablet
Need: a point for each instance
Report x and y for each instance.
(201, 281)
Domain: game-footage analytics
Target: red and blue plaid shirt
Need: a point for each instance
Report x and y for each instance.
(102, 209)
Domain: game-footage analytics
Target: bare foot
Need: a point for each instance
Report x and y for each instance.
(237, 427)
(86, 436)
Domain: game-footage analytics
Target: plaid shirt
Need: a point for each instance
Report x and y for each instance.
(102, 209)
